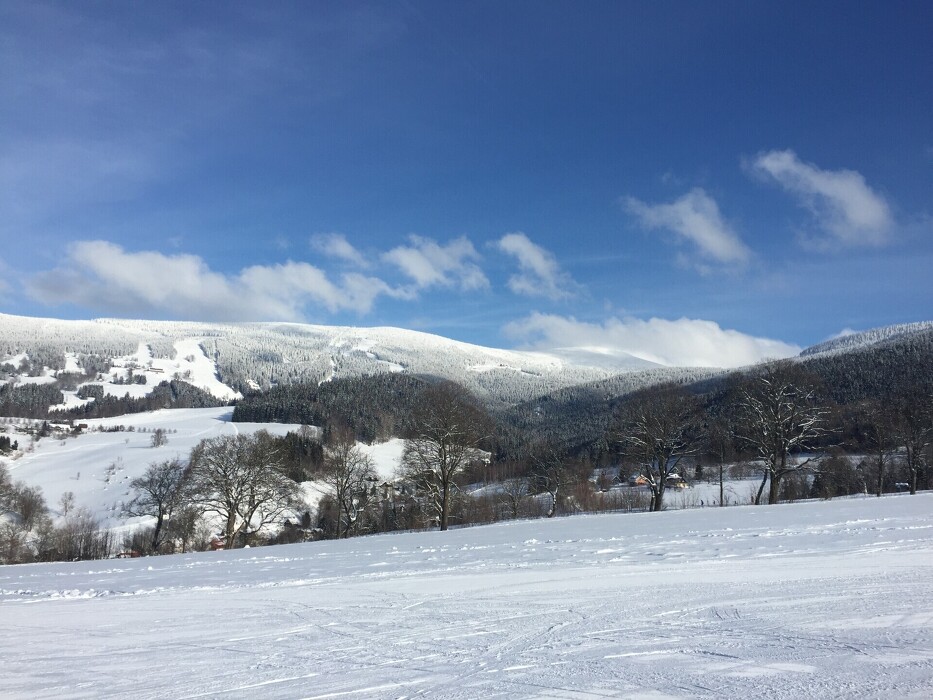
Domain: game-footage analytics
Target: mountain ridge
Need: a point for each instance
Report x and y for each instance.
(232, 359)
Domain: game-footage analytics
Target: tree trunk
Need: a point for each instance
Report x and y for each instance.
(774, 489)
(230, 530)
(155, 535)
(764, 480)
(657, 503)
(445, 502)
(912, 469)
(722, 491)
(345, 526)
(777, 473)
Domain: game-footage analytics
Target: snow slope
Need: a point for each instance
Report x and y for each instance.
(187, 362)
(814, 600)
(98, 466)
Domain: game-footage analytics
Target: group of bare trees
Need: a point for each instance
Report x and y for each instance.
(27, 532)
(773, 418)
(776, 419)
(240, 479)
(896, 429)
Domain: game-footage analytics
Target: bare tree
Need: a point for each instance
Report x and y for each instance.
(66, 502)
(23, 520)
(551, 473)
(876, 420)
(657, 428)
(447, 428)
(515, 491)
(348, 471)
(14, 543)
(778, 415)
(912, 413)
(6, 489)
(159, 491)
(187, 527)
(720, 448)
(78, 538)
(240, 478)
(28, 502)
(159, 438)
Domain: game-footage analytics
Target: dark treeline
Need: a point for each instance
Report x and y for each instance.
(168, 394)
(36, 400)
(29, 400)
(373, 407)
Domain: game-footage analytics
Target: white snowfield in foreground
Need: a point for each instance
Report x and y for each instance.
(815, 600)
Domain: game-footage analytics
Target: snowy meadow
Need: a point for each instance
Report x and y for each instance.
(819, 599)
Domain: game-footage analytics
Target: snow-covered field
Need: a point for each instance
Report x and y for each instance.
(823, 599)
(97, 467)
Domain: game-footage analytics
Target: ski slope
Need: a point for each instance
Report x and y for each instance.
(812, 600)
(97, 467)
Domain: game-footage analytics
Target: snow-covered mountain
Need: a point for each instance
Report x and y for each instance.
(228, 359)
(857, 340)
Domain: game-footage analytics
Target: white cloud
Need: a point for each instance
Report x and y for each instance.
(683, 342)
(695, 217)
(103, 276)
(845, 332)
(429, 264)
(540, 273)
(336, 245)
(842, 203)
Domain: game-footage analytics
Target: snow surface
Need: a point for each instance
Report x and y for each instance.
(386, 456)
(98, 466)
(812, 600)
(189, 362)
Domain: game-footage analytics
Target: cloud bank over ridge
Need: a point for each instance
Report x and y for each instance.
(682, 342)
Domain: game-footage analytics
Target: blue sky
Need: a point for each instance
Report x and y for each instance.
(678, 180)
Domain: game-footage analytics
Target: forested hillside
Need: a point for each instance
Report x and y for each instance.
(374, 408)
